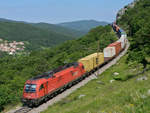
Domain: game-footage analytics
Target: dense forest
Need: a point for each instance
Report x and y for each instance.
(16, 70)
(136, 21)
(34, 37)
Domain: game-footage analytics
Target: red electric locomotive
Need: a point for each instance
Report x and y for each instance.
(45, 86)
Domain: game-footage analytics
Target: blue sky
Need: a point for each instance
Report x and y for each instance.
(56, 11)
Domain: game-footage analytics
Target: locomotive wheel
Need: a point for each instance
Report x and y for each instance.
(69, 85)
(37, 103)
(30, 104)
(46, 99)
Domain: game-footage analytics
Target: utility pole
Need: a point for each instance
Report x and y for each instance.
(98, 49)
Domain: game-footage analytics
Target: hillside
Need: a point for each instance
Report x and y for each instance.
(107, 95)
(83, 25)
(137, 27)
(34, 37)
(16, 70)
(50, 27)
(59, 29)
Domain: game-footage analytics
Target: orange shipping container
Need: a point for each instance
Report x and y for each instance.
(117, 46)
(117, 28)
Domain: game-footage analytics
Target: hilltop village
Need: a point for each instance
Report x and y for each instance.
(11, 47)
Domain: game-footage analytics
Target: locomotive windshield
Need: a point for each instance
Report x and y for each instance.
(29, 88)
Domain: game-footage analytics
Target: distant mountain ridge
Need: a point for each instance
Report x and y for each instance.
(58, 29)
(50, 27)
(34, 37)
(74, 28)
(41, 35)
(9, 20)
(5, 20)
(83, 25)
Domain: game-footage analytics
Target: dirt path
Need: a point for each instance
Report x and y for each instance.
(75, 87)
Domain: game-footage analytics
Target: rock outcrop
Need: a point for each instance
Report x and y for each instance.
(123, 10)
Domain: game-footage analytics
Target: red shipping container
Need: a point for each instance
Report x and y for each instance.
(117, 46)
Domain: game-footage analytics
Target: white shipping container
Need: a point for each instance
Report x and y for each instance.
(125, 36)
(109, 51)
(123, 41)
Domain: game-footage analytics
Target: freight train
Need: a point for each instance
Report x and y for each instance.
(47, 85)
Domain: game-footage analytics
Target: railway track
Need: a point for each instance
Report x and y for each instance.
(44, 106)
(23, 110)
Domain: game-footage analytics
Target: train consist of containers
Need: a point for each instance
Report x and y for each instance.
(45, 86)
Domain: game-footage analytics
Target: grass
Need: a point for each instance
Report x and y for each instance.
(123, 96)
(12, 106)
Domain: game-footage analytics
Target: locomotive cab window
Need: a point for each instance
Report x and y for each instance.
(41, 87)
(29, 88)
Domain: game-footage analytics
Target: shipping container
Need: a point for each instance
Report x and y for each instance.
(122, 40)
(121, 30)
(124, 35)
(92, 61)
(117, 46)
(109, 52)
(117, 28)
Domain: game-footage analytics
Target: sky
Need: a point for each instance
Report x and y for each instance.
(57, 11)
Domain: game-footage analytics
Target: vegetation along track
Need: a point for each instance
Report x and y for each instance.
(44, 106)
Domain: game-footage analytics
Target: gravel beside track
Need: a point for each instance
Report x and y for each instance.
(59, 97)
(23, 110)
